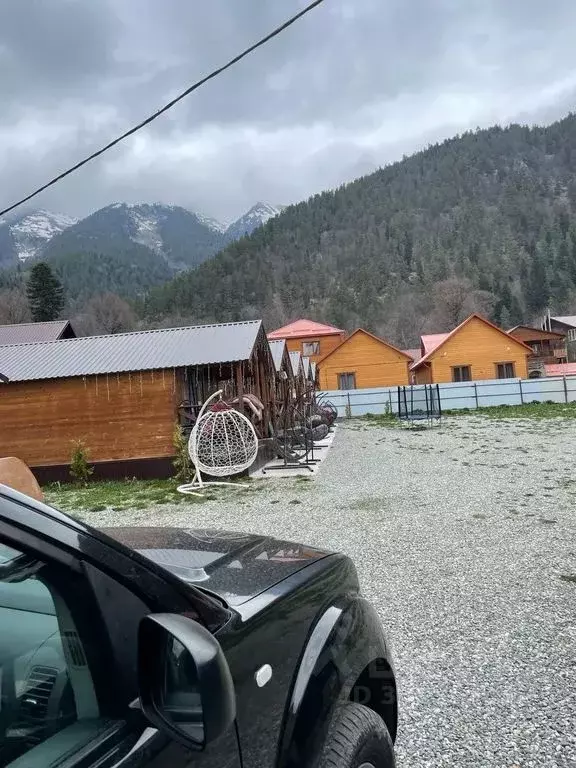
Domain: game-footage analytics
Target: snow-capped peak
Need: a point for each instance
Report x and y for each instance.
(258, 215)
(211, 223)
(33, 230)
(262, 212)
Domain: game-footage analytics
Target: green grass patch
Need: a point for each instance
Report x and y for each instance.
(380, 420)
(533, 410)
(116, 494)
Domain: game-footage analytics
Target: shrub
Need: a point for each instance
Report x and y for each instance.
(182, 462)
(80, 470)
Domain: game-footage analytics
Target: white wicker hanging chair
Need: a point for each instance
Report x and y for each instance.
(222, 443)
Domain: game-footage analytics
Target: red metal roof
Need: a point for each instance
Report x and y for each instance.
(560, 369)
(304, 328)
(432, 340)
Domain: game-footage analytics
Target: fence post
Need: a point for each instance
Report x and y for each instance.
(349, 414)
(521, 393)
(565, 390)
(476, 394)
(390, 400)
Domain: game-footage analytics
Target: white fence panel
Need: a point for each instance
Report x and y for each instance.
(455, 396)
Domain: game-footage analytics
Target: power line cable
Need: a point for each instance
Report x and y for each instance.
(166, 107)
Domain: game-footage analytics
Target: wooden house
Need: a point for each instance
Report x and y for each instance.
(548, 348)
(565, 324)
(362, 361)
(313, 340)
(123, 395)
(475, 350)
(30, 333)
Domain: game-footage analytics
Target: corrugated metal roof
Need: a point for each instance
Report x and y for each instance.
(138, 351)
(295, 358)
(29, 333)
(304, 328)
(566, 319)
(277, 348)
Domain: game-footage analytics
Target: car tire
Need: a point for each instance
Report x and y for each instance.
(357, 738)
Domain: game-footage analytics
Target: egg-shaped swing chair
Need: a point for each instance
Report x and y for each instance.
(222, 443)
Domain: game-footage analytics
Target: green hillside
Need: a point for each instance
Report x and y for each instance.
(483, 221)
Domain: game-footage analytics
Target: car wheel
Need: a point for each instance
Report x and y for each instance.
(357, 738)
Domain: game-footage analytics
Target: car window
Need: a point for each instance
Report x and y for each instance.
(48, 703)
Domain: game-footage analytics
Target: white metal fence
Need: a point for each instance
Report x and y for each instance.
(469, 394)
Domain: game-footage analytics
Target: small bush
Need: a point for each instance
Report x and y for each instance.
(182, 462)
(80, 470)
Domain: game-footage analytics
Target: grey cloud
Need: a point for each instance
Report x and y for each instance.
(352, 86)
(49, 50)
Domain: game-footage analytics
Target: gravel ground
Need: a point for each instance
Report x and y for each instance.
(464, 538)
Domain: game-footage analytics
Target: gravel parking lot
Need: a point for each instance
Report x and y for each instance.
(465, 539)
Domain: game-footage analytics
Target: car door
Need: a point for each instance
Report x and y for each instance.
(68, 642)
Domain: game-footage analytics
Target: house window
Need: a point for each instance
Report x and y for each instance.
(461, 373)
(505, 370)
(572, 335)
(346, 381)
(310, 348)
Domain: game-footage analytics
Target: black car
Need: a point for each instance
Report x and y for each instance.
(166, 648)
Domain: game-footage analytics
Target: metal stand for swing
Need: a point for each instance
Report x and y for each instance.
(227, 439)
(286, 464)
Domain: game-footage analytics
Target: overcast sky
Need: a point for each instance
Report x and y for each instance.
(352, 86)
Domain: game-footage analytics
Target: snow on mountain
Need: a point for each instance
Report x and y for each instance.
(176, 235)
(258, 215)
(211, 223)
(145, 227)
(31, 232)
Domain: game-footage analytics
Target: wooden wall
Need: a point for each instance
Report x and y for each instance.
(374, 363)
(327, 344)
(480, 346)
(117, 416)
(423, 374)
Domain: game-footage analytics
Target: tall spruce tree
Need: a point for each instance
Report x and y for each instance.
(45, 293)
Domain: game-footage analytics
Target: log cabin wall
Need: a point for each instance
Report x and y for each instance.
(117, 417)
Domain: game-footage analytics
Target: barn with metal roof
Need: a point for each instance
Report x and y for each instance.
(122, 395)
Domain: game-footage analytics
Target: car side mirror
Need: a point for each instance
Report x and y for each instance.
(186, 689)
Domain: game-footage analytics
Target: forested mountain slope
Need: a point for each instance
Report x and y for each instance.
(482, 221)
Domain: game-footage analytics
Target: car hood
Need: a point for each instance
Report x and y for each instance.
(236, 566)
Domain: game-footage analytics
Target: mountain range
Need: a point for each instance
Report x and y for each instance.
(485, 221)
(178, 237)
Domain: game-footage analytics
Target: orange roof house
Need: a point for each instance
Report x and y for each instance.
(475, 350)
(362, 361)
(313, 340)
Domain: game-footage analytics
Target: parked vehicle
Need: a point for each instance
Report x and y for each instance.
(167, 648)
